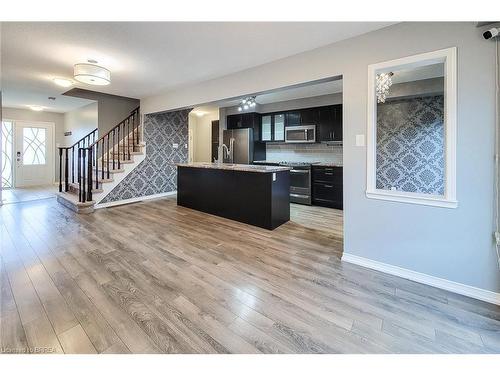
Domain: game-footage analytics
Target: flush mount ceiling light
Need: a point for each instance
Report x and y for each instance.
(92, 74)
(36, 108)
(383, 83)
(247, 103)
(63, 82)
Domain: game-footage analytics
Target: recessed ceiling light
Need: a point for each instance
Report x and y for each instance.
(92, 74)
(36, 108)
(62, 82)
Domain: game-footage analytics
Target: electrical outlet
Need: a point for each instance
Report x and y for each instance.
(175, 145)
(497, 238)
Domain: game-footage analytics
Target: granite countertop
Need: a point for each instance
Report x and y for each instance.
(328, 164)
(236, 167)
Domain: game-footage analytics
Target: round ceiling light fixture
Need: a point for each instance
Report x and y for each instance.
(92, 74)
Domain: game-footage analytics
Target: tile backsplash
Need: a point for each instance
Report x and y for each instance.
(321, 152)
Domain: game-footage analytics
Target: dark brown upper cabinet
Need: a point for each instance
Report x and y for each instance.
(245, 120)
(329, 125)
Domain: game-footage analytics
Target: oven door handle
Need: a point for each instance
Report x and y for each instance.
(298, 171)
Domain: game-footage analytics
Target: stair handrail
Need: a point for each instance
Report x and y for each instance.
(120, 140)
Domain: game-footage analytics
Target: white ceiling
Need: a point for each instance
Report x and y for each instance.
(148, 58)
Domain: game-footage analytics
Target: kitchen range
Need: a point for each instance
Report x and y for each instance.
(316, 183)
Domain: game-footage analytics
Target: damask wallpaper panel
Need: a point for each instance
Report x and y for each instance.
(410, 145)
(157, 173)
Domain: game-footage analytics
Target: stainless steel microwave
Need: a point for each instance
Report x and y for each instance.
(300, 134)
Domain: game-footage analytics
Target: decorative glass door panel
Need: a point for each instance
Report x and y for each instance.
(7, 141)
(34, 153)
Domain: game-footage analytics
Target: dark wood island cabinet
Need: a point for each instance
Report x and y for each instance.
(251, 194)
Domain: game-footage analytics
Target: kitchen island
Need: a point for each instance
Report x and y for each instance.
(251, 194)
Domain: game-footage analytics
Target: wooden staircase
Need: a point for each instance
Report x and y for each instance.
(92, 167)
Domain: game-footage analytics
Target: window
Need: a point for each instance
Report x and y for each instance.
(7, 134)
(34, 146)
(412, 129)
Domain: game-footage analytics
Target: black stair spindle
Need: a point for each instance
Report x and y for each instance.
(118, 144)
(124, 140)
(107, 158)
(133, 131)
(128, 138)
(102, 161)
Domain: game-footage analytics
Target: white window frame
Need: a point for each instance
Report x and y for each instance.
(447, 56)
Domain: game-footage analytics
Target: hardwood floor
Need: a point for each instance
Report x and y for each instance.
(157, 278)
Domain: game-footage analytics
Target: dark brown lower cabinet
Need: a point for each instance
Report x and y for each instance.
(327, 186)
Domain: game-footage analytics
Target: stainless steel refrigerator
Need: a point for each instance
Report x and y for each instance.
(239, 143)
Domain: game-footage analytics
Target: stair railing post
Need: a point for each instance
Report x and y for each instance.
(60, 170)
(79, 173)
(90, 152)
(83, 173)
(66, 170)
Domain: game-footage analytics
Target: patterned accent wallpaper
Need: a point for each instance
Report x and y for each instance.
(157, 173)
(410, 145)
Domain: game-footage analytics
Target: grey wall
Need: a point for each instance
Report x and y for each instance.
(454, 244)
(315, 101)
(111, 108)
(80, 122)
(43, 116)
(157, 173)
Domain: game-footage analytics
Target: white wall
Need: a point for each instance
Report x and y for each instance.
(454, 244)
(80, 122)
(200, 129)
(43, 116)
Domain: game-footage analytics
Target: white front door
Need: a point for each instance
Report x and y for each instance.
(34, 153)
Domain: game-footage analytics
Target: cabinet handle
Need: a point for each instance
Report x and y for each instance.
(329, 174)
(328, 186)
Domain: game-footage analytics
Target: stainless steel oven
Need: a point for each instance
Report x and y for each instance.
(300, 134)
(300, 183)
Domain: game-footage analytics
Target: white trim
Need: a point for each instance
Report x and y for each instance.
(451, 286)
(447, 56)
(415, 198)
(134, 200)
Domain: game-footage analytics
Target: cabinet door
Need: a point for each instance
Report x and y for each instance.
(279, 127)
(251, 120)
(266, 134)
(337, 123)
(309, 116)
(293, 118)
(234, 121)
(325, 124)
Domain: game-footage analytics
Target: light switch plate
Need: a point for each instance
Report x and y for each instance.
(360, 140)
(175, 145)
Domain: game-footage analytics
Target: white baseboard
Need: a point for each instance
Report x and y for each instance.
(134, 200)
(451, 286)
